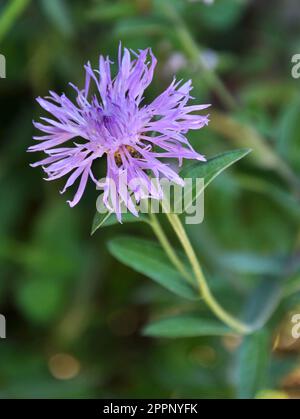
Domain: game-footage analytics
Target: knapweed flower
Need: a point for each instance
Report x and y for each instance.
(111, 121)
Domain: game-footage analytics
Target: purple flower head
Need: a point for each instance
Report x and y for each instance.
(116, 124)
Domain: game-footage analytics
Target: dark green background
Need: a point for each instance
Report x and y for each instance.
(60, 290)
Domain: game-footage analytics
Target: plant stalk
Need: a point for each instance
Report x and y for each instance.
(162, 238)
(204, 289)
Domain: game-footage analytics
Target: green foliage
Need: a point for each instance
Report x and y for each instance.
(149, 259)
(40, 299)
(252, 365)
(186, 326)
(263, 302)
(105, 219)
(60, 289)
(209, 170)
(10, 14)
(289, 138)
(58, 13)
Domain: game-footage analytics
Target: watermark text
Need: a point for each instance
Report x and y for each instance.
(152, 196)
(2, 327)
(296, 328)
(2, 66)
(296, 66)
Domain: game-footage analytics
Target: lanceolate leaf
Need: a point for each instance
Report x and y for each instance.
(186, 326)
(99, 220)
(105, 218)
(108, 219)
(263, 302)
(252, 263)
(253, 364)
(149, 259)
(209, 170)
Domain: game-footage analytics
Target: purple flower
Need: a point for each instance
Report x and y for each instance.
(114, 122)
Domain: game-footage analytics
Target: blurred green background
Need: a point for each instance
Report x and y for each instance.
(74, 314)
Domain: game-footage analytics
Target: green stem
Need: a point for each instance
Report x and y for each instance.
(227, 318)
(168, 248)
(194, 53)
(10, 14)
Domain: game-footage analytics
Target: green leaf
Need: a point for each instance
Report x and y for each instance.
(10, 14)
(253, 364)
(149, 259)
(105, 218)
(251, 263)
(186, 326)
(288, 133)
(292, 286)
(57, 12)
(100, 219)
(209, 170)
(108, 219)
(263, 302)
